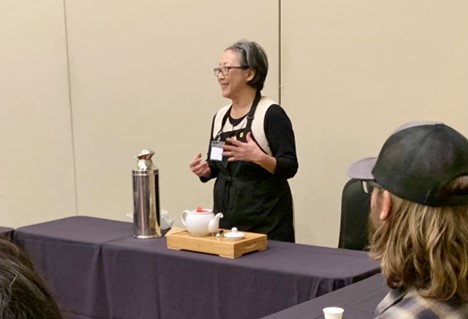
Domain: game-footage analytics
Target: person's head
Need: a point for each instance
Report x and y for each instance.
(23, 293)
(243, 65)
(419, 209)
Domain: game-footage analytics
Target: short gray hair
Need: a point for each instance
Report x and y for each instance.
(254, 56)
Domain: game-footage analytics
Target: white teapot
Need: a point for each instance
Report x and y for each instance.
(200, 222)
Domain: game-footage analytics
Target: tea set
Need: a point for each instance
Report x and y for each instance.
(203, 222)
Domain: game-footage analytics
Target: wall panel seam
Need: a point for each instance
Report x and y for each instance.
(70, 105)
(280, 86)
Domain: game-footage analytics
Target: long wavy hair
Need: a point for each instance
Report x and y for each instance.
(423, 247)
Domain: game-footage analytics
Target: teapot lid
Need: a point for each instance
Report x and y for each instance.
(203, 210)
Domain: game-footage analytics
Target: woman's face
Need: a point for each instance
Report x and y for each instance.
(235, 83)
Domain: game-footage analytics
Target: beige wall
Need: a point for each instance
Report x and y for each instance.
(36, 154)
(140, 77)
(352, 72)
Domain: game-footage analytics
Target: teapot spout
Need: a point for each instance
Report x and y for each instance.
(213, 225)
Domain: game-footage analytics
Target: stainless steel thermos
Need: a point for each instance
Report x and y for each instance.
(146, 211)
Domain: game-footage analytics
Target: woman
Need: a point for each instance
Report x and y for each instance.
(252, 151)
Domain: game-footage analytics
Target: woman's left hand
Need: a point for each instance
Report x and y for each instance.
(247, 151)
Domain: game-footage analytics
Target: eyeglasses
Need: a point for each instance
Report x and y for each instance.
(225, 69)
(368, 185)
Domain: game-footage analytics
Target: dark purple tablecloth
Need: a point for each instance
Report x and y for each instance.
(98, 270)
(7, 232)
(358, 300)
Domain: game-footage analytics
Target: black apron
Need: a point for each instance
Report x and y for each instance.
(251, 198)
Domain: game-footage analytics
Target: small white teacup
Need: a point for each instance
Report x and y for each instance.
(333, 312)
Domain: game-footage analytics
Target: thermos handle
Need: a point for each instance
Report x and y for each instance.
(183, 216)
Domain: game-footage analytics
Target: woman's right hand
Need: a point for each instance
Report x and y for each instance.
(200, 167)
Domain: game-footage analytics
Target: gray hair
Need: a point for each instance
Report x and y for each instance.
(254, 56)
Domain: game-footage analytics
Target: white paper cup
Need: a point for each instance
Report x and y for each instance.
(333, 312)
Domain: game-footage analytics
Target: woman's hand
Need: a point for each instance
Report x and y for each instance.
(200, 167)
(236, 150)
(248, 151)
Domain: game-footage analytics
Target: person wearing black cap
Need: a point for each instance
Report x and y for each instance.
(419, 220)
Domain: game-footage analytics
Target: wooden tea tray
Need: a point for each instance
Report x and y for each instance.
(223, 247)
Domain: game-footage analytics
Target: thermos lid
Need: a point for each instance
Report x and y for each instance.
(145, 154)
(144, 162)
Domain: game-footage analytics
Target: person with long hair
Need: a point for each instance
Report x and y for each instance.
(419, 220)
(23, 293)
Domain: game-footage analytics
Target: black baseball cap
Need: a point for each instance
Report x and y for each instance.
(417, 162)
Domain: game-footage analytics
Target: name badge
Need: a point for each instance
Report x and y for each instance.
(216, 151)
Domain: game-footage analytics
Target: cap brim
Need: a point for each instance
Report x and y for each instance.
(362, 169)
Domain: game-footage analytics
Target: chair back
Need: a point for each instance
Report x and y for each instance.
(355, 206)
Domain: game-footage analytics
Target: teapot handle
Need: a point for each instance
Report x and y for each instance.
(183, 216)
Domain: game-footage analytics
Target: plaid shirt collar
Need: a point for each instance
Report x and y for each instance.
(402, 304)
